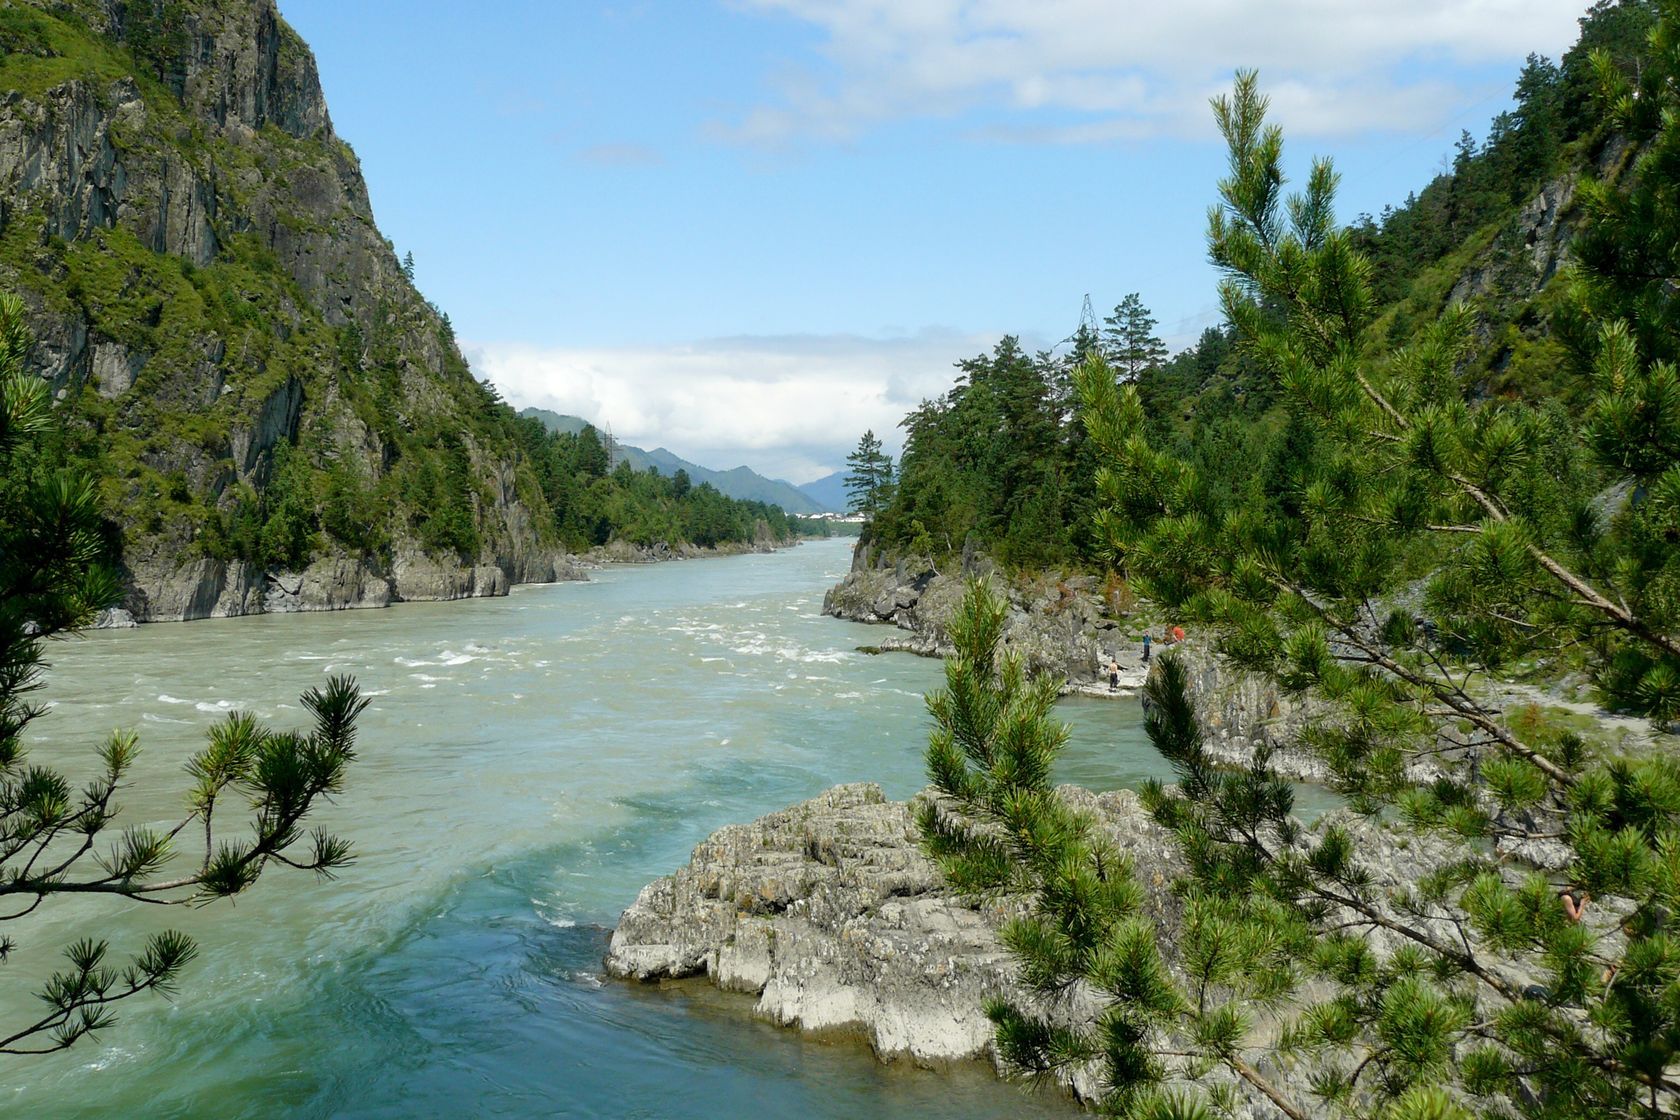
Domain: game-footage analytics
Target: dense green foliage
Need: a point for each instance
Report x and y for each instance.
(57, 839)
(1001, 461)
(593, 506)
(1418, 539)
(1481, 234)
(1631, 248)
(994, 460)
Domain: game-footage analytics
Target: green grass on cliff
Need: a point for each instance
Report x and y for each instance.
(39, 52)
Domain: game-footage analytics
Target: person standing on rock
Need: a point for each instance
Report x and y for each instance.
(1113, 675)
(1574, 903)
(1147, 638)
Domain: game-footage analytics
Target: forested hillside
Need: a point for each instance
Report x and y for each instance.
(594, 502)
(239, 355)
(737, 482)
(1002, 460)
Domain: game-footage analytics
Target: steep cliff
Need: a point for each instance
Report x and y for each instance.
(280, 420)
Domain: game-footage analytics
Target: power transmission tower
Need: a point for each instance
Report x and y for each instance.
(1087, 323)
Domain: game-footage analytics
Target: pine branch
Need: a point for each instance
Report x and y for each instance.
(1251, 1075)
(1448, 694)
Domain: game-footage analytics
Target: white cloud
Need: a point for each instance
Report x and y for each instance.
(789, 407)
(1133, 70)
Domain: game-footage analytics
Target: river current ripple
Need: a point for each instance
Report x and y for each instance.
(528, 763)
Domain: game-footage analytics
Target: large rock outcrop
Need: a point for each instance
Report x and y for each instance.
(210, 295)
(831, 919)
(831, 916)
(1056, 625)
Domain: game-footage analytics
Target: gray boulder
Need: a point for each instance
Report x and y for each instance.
(832, 919)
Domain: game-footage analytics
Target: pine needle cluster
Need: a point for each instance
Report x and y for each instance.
(1109, 1005)
(253, 788)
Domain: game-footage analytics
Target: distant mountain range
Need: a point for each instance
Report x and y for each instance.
(829, 492)
(739, 482)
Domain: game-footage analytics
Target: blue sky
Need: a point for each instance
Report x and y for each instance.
(748, 229)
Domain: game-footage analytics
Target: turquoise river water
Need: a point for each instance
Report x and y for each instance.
(527, 765)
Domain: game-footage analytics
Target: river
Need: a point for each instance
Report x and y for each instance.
(528, 763)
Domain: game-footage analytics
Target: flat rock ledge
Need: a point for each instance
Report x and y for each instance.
(830, 915)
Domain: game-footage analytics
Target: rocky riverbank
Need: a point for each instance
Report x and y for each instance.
(1057, 625)
(1060, 626)
(161, 591)
(165, 590)
(829, 916)
(624, 552)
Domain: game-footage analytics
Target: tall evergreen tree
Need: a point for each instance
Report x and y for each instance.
(869, 481)
(1537, 135)
(1129, 340)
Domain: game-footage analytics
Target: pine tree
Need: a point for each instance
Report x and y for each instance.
(253, 788)
(869, 482)
(1484, 991)
(1539, 119)
(1129, 341)
(1085, 342)
(997, 824)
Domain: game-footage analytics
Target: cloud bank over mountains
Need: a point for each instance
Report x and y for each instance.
(787, 406)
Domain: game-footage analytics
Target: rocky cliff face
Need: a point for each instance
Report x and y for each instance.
(1057, 626)
(210, 295)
